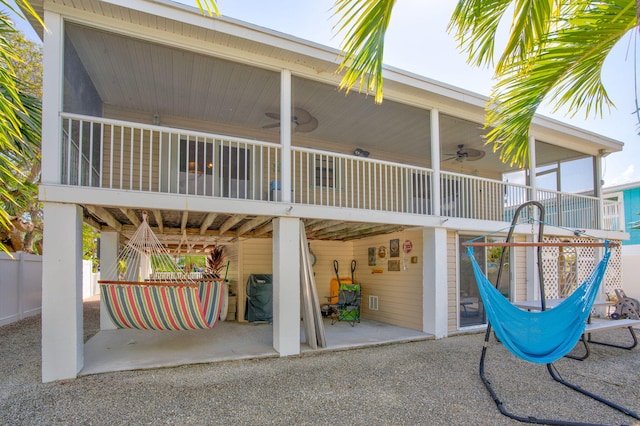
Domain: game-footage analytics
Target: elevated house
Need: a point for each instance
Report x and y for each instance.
(228, 133)
(624, 203)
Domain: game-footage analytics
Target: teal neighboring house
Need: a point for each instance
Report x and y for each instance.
(627, 199)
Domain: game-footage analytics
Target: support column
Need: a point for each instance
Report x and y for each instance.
(285, 135)
(532, 169)
(434, 123)
(62, 326)
(108, 270)
(52, 81)
(286, 286)
(434, 282)
(533, 280)
(597, 187)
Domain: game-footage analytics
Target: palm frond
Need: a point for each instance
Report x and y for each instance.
(365, 23)
(475, 25)
(564, 70)
(210, 6)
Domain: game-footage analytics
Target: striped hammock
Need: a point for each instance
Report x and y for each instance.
(163, 306)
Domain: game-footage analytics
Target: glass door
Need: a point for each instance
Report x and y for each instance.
(471, 309)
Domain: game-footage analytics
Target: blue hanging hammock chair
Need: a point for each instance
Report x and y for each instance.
(543, 336)
(540, 336)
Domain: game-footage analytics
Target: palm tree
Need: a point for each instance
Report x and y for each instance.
(555, 51)
(19, 124)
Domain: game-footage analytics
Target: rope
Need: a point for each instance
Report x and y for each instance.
(144, 258)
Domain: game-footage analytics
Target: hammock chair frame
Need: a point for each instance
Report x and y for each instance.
(552, 370)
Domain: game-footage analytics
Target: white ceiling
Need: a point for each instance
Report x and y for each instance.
(142, 76)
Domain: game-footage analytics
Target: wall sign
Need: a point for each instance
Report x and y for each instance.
(372, 256)
(394, 248)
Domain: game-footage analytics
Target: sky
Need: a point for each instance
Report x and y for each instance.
(417, 41)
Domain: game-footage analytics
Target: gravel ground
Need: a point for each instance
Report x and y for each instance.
(426, 383)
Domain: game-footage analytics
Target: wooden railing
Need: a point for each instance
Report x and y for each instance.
(115, 154)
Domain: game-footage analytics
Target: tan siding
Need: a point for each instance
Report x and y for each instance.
(521, 272)
(326, 252)
(399, 293)
(255, 258)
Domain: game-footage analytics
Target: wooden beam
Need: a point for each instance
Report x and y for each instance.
(228, 224)
(105, 216)
(157, 214)
(183, 224)
(336, 227)
(380, 230)
(131, 215)
(320, 225)
(360, 231)
(92, 222)
(253, 223)
(206, 223)
(267, 227)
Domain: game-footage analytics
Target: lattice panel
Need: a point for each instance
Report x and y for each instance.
(557, 264)
(613, 276)
(550, 270)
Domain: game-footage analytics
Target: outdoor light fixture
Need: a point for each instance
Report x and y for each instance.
(359, 152)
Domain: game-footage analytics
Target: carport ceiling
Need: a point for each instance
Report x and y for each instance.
(198, 232)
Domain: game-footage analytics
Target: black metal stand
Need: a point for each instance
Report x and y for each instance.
(586, 339)
(550, 367)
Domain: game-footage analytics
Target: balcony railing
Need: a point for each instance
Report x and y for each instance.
(471, 197)
(336, 180)
(569, 210)
(121, 155)
(115, 154)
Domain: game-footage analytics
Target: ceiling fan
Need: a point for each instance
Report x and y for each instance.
(304, 122)
(468, 154)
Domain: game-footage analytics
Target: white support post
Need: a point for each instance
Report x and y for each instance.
(435, 161)
(597, 186)
(52, 82)
(533, 280)
(434, 282)
(285, 136)
(108, 270)
(62, 326)
(532, 169)
(286, 286)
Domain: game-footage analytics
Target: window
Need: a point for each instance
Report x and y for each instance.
(324, 174)
(196, 167)
(196, 157)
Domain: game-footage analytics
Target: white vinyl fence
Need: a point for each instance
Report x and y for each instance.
(21, 285)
